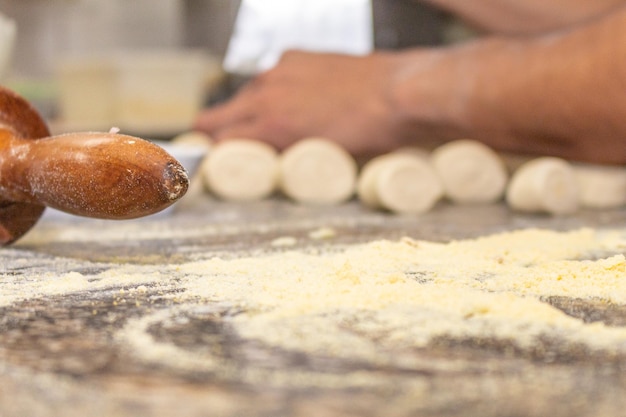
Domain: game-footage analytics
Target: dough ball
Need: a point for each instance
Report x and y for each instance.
(193, 138)
(601, 186)
(366, 183)
(317, 171)
(471, 172)
(544, 184)
(399, 182)
(241, 170)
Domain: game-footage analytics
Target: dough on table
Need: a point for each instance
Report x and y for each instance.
(241, 170)
(193, 138)
(401, 182)
(601, 186)
(317, 171)
(545, 184)
(470, 171)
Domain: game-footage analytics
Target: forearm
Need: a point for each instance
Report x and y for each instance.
(525, 17)
(556, 95)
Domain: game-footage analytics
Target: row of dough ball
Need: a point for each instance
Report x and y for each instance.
(471, 172)
(410, 180)
(313, 171)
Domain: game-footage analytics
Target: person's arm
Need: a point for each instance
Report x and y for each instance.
(528, 16)
(344, 98)
(562, 94)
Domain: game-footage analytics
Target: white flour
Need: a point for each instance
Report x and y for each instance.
(364, 301)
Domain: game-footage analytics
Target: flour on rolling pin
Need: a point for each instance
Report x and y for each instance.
(105, 175)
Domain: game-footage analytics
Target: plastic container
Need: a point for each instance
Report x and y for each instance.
(144, 92)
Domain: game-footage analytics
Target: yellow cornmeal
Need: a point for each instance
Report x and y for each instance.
(372, 302)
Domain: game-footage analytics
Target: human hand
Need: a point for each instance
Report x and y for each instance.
(344, 98)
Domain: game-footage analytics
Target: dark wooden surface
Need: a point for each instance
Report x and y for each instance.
(58, 358)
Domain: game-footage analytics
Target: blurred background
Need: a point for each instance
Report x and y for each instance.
(148, 65)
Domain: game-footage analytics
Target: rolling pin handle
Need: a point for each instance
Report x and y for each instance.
(92, 174)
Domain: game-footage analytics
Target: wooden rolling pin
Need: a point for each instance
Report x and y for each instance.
(101, 175)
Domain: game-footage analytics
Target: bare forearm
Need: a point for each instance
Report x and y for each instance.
(555, 95)
(524, 17)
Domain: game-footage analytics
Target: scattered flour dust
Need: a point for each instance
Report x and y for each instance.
(364, 301)
(407, 292)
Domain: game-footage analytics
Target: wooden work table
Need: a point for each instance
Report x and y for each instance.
(59, 355)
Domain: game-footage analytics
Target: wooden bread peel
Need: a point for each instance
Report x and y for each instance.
(92, 174)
